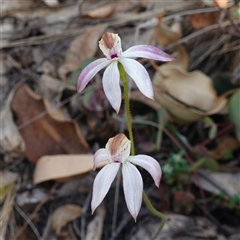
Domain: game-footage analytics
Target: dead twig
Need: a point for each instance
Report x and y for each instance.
(47, 228)
(44, 200)
(28, 221)
(198, 33)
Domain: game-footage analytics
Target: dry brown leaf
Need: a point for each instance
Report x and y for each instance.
(63, 215)
(82, 47)
(52, 89)
(138, 96)
(188, 91)
(182, 59)
(186, 96)
(202, 20)
(167, 35)
(11, 140)
(101, 13)
(62, 167)
(46, 134)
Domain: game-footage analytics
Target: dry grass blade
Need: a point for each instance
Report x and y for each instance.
(198, 33)
(36, 210)
(28, 220)
(6, 211)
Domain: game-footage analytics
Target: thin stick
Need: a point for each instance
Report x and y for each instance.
(44, 200)
(198, 33)
(28, 221)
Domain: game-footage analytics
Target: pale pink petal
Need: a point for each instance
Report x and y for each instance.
(111, 85)
(139, 75)
(90, 71)
(119, 148)
(133, 188)
(149, 164)
(102, 183)
(147, 51)
(101, 155)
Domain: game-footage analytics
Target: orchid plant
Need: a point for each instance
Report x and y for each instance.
(117, 153)
(110, 44)
(118, 65)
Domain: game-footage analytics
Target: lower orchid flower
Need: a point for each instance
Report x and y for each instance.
(117, 153)
(110, 44)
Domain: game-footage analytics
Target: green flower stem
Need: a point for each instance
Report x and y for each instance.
(155, 212)
(127, 105)
(129, 123)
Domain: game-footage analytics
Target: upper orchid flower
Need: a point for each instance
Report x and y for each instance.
(117, 153)
(110, 44)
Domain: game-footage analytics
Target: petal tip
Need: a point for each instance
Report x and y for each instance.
(93, 209)
(170, 59)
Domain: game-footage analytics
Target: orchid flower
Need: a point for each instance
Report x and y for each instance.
(117, 153)
(110, 44)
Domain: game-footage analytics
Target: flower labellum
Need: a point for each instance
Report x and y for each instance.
(117, 153)
(110, 44)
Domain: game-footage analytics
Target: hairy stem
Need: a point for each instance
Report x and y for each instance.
(129, 123)
(155, 212)
(127, 105)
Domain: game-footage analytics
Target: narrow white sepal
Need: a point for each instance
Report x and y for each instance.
(139, 75)
(133, 188)
(90, 71)
(102, 183)
(111, 85)
(149, 164)
(147, 51)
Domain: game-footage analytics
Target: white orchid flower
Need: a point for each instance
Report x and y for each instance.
(110, 44)
(117, 153)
